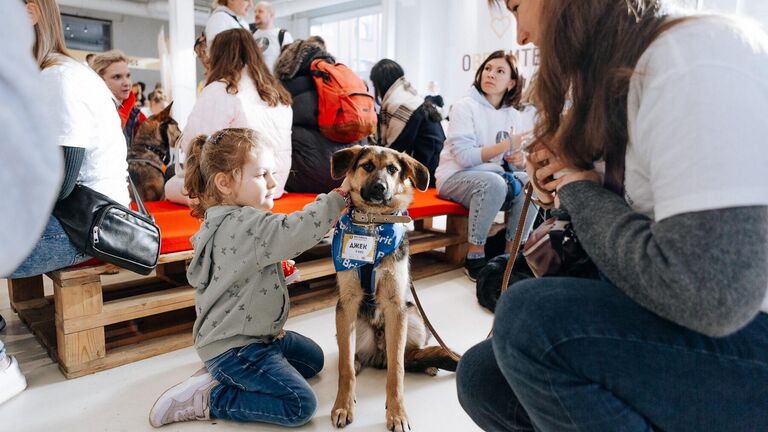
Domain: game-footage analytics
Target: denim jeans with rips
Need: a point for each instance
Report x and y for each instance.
(578, 354)
(485, 193)
(52, 252)
(267, 382)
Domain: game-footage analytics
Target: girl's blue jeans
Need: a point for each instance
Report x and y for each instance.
(267, 382)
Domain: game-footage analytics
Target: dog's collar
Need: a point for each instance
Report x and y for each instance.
(159, 152)
(362, 218)
(151, 163)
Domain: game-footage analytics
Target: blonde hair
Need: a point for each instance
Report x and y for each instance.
(157, 95)
(225, 151)
(217, 3)
(102, 61)
(49, 36)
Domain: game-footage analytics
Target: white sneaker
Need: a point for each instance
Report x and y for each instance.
(12, 381)
(187, 400)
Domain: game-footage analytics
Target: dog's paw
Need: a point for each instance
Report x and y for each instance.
(343, 412)
(397, 419)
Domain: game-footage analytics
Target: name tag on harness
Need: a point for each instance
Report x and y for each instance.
(358, 247)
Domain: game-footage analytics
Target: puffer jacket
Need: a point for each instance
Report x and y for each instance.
(311, 150)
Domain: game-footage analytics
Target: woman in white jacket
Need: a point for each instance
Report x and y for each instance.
(226, 15)
(240, 93)
(470, 170)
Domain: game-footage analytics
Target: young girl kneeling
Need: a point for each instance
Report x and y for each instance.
(254, 370)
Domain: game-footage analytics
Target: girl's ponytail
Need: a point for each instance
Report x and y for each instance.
(195, 181)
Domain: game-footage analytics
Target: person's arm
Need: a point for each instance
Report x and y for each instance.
(73, 160)
(284, 236)
(707, 270)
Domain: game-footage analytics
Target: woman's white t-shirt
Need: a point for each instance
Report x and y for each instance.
(83, 114)
(698, 121)
(222, 19)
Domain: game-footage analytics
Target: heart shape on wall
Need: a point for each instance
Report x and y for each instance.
(500, 25)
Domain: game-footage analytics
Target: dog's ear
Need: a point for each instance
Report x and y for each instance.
(343, 160)
(416, 171)
(164, 114)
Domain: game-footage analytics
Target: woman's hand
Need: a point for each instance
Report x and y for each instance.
(541, 166)
(552, 174)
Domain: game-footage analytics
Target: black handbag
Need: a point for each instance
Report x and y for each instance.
(111, 232)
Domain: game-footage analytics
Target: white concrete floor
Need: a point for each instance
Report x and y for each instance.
(119, 399)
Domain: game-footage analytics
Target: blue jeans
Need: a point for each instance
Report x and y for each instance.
(578, 354)
(267, 382)
(52, 252)
(485, 193)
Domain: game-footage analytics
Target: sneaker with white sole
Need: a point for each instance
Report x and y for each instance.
(186, 401)
(12, 381)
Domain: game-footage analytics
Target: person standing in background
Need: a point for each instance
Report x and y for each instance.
(226, 15)
(270, 39)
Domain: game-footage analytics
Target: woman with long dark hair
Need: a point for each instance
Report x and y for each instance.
(406, 122)
(240, 93)
(674, 336)
(470, 170)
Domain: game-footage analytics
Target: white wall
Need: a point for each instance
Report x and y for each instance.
(134, 36)
(446, 40)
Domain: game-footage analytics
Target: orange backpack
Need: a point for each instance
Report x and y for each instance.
(345, 109)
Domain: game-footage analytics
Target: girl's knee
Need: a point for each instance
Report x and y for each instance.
(303, 410)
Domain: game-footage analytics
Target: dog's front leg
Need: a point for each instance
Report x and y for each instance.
(347, 308)
(395, 329)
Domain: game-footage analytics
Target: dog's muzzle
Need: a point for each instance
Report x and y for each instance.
(376, 192)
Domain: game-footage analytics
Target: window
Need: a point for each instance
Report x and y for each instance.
(354, 38)
(87, 34)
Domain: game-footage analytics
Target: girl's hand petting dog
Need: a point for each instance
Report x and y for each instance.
(549, 174)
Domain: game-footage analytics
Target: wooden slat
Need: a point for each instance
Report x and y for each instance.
(134, 307)
(23, 289)
(176, 256)
(130, 354)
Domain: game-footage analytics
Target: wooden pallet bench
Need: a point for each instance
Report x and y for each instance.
(101, 316)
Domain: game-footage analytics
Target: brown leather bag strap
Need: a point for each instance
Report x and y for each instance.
(518, 238)
(528, 189)
(431, 328)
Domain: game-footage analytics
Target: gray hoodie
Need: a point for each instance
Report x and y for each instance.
(241, 296)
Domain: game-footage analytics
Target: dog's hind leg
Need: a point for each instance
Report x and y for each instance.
(350, 296)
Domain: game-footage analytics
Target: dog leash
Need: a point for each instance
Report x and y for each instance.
(431, 328)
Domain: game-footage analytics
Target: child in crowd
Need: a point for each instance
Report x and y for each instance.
(255, 371)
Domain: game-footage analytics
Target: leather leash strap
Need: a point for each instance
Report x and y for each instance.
(528, 189)
(431, 327)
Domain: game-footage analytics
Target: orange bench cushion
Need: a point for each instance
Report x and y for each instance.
(177, 225)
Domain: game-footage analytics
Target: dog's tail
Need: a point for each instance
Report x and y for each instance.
(425, 359)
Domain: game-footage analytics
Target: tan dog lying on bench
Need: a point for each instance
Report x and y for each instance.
(373, 313)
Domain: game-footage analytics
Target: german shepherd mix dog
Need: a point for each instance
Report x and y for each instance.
(150, 153)
(379, 327)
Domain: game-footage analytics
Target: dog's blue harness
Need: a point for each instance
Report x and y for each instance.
(388, 236)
